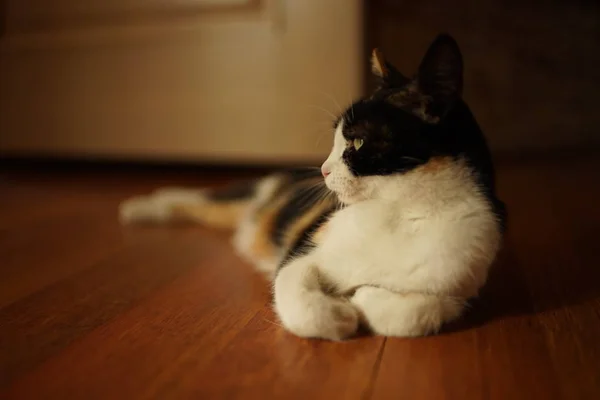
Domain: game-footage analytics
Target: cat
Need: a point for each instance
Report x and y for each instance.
(395, 232)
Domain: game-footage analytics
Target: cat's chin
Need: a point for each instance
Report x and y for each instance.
(347, 199)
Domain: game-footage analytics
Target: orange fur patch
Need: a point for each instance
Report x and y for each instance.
(263, 246)
(378, 64)
(317, 237)
(436, 164)
(295, 230)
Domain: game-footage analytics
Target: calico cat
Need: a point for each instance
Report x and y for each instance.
(395, 232)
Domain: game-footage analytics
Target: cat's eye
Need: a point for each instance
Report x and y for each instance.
(357, 143)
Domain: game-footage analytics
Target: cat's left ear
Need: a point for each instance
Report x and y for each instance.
(441, 73)
(388, 76)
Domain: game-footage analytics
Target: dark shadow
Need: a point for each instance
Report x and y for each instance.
(505, 294)
(516, 289)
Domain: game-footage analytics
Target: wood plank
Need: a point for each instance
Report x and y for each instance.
(47, 321)
(263, 361)
(171, 312)
(40, 254)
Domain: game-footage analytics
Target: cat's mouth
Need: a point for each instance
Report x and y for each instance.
(351, 191)
(340, 190)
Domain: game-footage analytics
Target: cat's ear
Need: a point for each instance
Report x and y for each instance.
(440, 74)
(388, 76)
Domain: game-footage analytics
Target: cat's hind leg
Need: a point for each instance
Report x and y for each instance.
(232, 207)
(305, 309)
(412, 314)
(222, 207)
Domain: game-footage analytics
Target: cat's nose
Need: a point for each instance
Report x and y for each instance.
(325, 171)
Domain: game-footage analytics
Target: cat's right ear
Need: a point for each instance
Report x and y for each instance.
(388, 77)
(441, 73)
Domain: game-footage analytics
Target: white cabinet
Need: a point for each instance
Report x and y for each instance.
(202, 80)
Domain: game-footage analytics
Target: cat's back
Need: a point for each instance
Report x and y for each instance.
(285, 217)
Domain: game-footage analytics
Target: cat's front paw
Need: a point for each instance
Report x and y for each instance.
(404, 314)
(320, 316)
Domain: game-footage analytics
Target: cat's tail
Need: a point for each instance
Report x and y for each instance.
(221, 207)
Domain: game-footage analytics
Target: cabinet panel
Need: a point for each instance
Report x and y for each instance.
(255, 83)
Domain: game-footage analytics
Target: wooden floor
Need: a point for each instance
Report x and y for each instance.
(93, 310)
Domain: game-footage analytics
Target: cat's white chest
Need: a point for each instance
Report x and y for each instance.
(363, 245)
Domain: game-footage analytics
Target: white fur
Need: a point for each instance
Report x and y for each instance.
(158, 206)
(408, 251)
(305, 310)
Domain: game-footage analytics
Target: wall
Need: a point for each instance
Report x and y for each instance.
(532, 67)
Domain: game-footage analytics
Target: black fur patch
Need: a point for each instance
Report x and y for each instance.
(237, 191)
(303, 197)
(393, 140)
(304, 244)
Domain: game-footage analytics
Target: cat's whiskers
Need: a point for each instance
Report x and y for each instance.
(334, 100)
(408, 158)
(326, 129)
(273, 323)
(322, 192)
(311, 192)
(320, 136)
(332, 115)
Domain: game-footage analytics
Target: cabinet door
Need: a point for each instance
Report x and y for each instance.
(200, 80)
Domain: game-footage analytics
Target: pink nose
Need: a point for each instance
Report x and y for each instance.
(325, 171)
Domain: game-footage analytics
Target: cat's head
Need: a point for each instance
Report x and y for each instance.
(401, 126)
